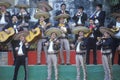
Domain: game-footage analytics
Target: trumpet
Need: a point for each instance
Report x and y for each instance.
(115, 29)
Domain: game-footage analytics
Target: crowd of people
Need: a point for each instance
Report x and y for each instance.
(53, 39)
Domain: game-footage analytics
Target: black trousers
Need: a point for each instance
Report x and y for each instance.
(119, 59)
(20, 60)
(91, 45)
(14, 44)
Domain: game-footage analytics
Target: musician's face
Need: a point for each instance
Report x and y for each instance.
(14, 18)
(81, 33)
(98, 8)
(63, 7)
(42, 18)
(80, 10)
(118, 19)
(22, 38)
(44, 9)
(53, 35)
(3, 8)
(61, 20)
(22, 10)
(106, 34)
(91, 21)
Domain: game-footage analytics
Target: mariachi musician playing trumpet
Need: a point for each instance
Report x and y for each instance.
(81, 50)
(43, 25)
(106, 50)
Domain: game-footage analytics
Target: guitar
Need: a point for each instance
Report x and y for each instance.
(4, 36)
(32, 35)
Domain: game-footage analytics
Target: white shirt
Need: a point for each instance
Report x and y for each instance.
(15, 27)
(118, 24)
(78, 47)
(50, 49)
(97, 14)
(20, 51)
(79, 21)
(2, 21)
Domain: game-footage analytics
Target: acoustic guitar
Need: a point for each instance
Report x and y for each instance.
(4, 36)
(33, 34)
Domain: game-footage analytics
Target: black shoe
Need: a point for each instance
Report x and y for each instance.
(62, 64)
(68, 64)
(38, 64)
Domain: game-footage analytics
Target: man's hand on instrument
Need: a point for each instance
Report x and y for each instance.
(7, 31)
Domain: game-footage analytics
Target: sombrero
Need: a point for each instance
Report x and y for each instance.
(44, 4)
(21, 33)
(105, 29)
(6, 4)
(80, 28)
(53, 30)
(22, 6)
(62, 16)
(41, 13)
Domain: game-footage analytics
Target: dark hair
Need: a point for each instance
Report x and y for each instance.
(81, 7)
(63, 4)
(53, 32)
(99, 5)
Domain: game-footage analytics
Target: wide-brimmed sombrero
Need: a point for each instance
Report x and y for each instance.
(41, 13)
(6, 4)
(53, 30)
(21, 33)
(105, 29)
(62, 16)
(77, 29)
(22, 6)
(44, 4)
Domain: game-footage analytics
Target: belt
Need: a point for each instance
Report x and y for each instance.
(80, 53)
(52, 53)
(106, 54)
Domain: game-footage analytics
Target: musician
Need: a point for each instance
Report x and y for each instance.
(43, 24)
(80, 17)
(64, 39)
(44, 6)
(81, 50)
(23, 15)
(5, 16)
(106, 50)
(53, 46)
(92, 38)
(16, 25)
(21, 59)
(63, 11)
(99, 16)
(114, 25)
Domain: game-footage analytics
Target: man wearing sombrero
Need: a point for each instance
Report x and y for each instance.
(43, 25)
(106, 50)
(64, 38)
(21, 51)
(53, 46)
(63, 11)
(44, 6)
(115, 26)
(5, 16)
(81, 50)
(23, 15)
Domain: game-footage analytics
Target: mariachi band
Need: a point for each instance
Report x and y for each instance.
(16, 30)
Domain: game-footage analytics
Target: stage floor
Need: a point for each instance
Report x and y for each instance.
(94, 72)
